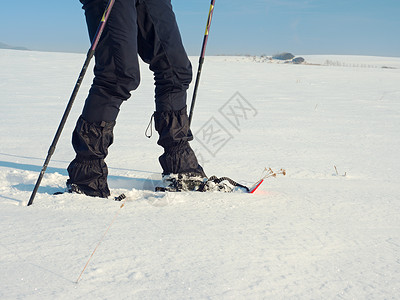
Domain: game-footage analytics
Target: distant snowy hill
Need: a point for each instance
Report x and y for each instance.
(5, 46)
(329, 229)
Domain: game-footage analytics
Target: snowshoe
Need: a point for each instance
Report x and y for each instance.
(197, 183)
(71, 188)
(181, 182)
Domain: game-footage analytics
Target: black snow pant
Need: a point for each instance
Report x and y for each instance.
(135, 27)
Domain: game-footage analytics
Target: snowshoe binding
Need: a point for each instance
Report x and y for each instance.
(193, 182)
(71, 188)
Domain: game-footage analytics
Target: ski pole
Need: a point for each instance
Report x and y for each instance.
(89, 56)
(201, 60)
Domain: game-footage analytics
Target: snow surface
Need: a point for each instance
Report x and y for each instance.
(317, 233)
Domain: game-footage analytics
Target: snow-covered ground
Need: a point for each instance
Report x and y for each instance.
(317, 233)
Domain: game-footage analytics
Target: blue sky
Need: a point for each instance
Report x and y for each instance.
(360, 27)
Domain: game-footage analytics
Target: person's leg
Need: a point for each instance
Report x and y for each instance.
(160, 45)
(116, 63)
(116, 74)
(88, 171)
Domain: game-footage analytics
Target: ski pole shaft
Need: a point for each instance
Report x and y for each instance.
(201, 60)
(89, 56)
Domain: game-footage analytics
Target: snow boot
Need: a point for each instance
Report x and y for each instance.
(181, 170)
(178, 156)
(88, 171)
